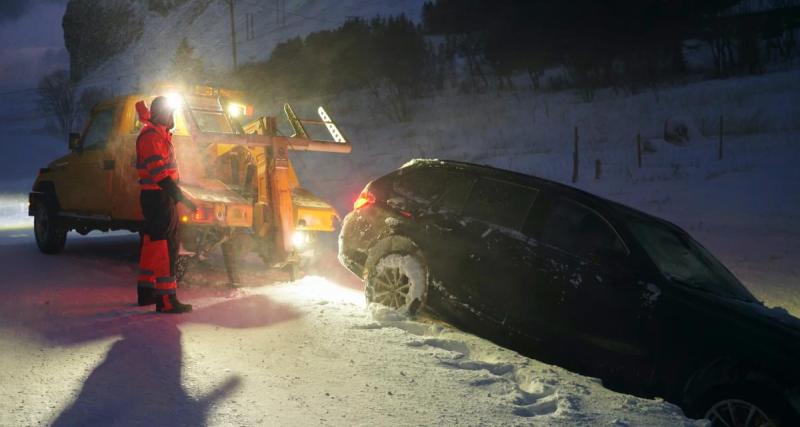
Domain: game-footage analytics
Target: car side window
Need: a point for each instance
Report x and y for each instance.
(580, 231)
(501, 203)
(422, 185)
(99, 130)
(455, 193)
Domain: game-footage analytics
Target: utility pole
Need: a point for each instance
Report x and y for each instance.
(280, 12)
(233, 30)
(250, 32)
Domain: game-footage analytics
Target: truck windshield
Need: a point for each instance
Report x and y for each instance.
(208, 114)
(685, 261)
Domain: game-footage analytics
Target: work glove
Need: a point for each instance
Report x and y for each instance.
(189, 204)
(174, 192)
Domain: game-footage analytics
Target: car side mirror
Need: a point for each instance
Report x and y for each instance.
(74, 140)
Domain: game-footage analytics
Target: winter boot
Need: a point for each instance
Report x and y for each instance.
(145, 295)
(170, 304)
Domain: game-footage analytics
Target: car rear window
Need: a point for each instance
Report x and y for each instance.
(580, 231)
(500, 203)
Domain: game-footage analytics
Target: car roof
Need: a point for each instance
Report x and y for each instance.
(525, 179)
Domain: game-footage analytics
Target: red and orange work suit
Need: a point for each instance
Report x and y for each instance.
(155, 161)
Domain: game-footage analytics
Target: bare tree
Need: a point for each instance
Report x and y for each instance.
(57, 99)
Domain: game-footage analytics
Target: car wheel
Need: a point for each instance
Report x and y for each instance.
(736, 412)
(746, 406)
(398, 281)
(50, 233)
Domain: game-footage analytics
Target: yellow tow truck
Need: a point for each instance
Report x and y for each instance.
(235, 168)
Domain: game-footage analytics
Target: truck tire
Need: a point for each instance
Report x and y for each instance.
(48, 228)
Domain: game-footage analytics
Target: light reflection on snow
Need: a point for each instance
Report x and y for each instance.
(317, 289)
(14, 212)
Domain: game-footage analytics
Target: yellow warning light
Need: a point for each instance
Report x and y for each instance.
(184, 218)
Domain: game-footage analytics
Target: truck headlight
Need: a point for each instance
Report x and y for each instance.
(300, 239)
(174, 100)
(236, 110)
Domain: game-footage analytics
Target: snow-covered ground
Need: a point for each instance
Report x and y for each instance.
(75, 350)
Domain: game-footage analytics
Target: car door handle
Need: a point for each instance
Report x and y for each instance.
(108, 165)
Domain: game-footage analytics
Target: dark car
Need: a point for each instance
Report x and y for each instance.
(573, 279)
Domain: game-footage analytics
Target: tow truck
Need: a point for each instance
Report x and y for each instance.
(234, 166)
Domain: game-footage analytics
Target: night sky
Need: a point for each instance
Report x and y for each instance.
(32, 45)
(32, 41)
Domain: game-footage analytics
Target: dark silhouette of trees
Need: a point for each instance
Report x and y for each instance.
(186, 66)
(628, 44)
(480, 45)
(388, 57)
(57, 99)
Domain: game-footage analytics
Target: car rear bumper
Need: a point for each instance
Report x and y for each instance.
(353, 243)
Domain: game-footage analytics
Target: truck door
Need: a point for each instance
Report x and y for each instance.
(125, 197)
(90, 169)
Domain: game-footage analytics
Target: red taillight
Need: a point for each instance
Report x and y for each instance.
(364, 199)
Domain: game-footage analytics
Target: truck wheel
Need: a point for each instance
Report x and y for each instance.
(50, 232)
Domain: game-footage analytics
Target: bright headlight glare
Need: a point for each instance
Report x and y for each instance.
(236, 110)
(174, 100)
(299, 239)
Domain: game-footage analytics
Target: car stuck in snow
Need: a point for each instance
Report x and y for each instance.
(576, 280)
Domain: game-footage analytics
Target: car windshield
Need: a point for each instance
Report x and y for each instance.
(208, 114)
(685, 261)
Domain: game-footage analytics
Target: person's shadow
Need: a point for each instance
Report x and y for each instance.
(86, 294)
(139, 382)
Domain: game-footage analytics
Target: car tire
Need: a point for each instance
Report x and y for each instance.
(49, 229)
(398, 280)
(747, 405)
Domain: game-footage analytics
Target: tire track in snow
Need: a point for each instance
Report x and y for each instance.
(526, 396)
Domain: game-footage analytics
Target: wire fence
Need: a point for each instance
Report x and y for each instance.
(707, 153)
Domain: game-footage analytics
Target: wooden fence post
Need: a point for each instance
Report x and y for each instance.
(639, 150)
(721, 133)
(575, 158)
